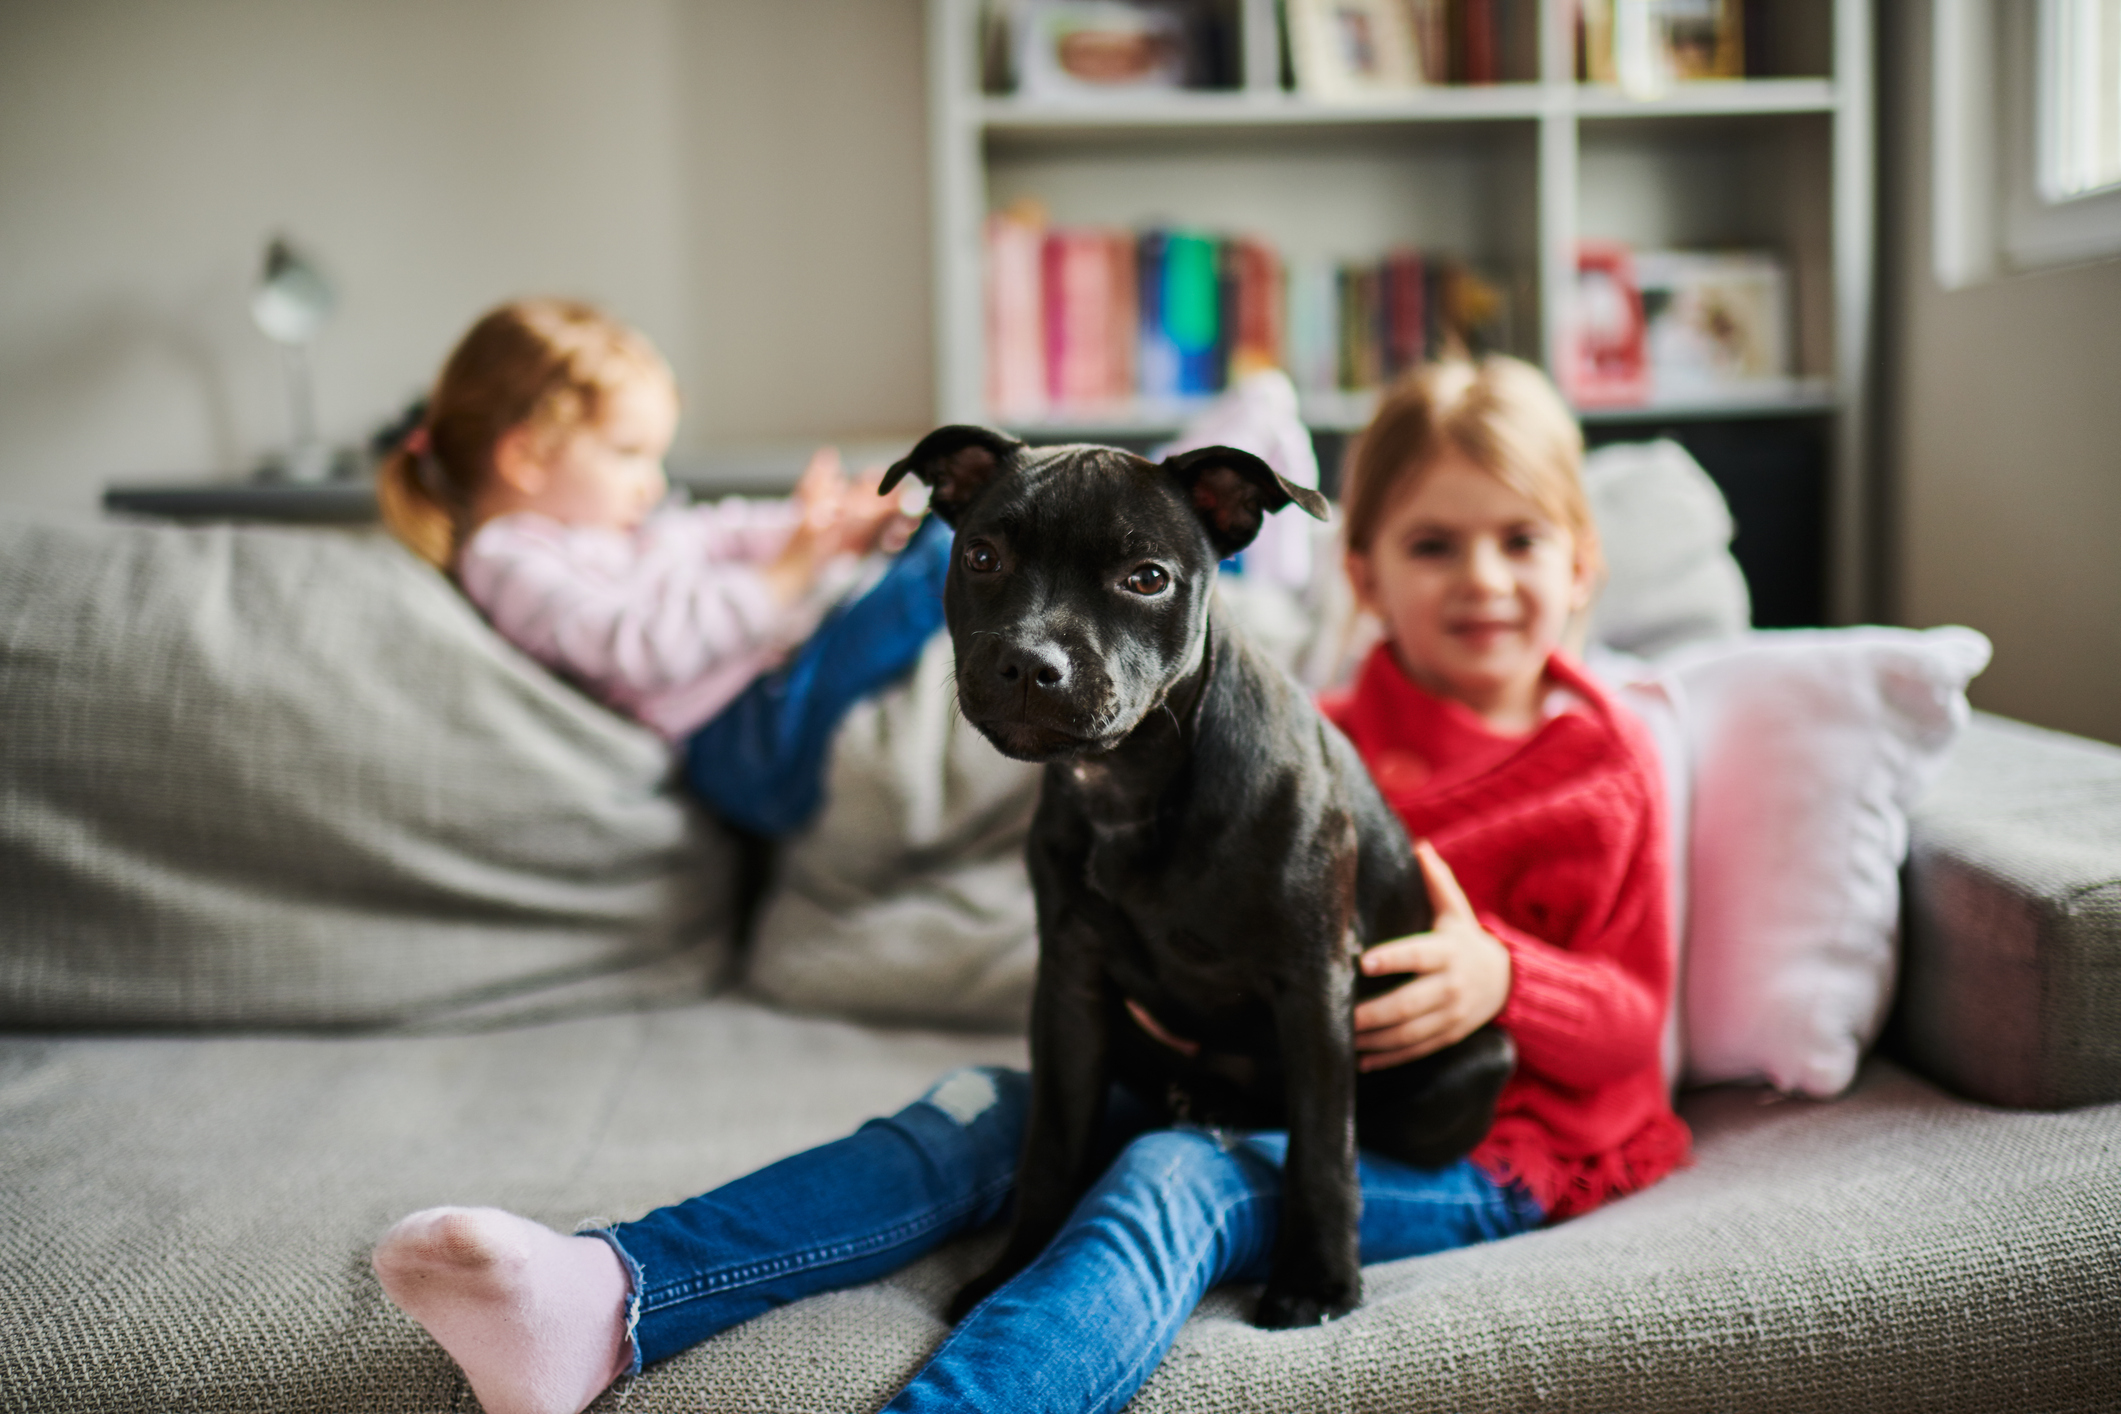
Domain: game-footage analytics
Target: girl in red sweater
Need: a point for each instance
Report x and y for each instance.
(1535, 800)
(1539, 815)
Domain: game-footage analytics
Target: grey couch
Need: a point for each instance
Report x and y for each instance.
(319, 905)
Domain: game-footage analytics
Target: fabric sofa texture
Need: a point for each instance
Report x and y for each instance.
(2011, 976)
(187, 1222)
(229, 1064)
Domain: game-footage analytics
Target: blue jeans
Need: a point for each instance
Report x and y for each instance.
(760, 763)
(1080, 1329)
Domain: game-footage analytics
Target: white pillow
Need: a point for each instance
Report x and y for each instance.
(1670, 578)
(1803, 751)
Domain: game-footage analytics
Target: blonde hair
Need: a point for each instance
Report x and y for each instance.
(544, 364)
(1502, 414)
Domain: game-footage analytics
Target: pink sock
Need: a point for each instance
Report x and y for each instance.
(536, 1321)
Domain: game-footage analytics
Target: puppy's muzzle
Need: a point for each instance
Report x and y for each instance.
(1032, 698)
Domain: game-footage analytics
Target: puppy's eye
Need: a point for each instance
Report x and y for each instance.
(1148, 579)
(982, 558)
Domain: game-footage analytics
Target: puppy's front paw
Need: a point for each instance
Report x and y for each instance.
(1281, 1309)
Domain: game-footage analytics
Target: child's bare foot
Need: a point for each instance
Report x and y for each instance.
(537, 1321)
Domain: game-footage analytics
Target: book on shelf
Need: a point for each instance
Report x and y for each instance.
(1089, 292)
(1476, 46)
(1313, 323)
(1085, 320)
(1259, 290)
(1016, 310)
(1431, 23)
(1645, 46)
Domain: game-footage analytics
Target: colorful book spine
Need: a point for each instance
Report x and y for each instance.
(1083, 318)
(1124, 328)
(1405, 312)
(1258, 341)
(1228, 277)
(1478, 43)
(1431, 21)
(1192, 309)
(1016, 319)
(1361, 348)
(1314, 327)
(1156, 367)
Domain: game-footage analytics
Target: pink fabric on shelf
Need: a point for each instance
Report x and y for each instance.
(666, 623)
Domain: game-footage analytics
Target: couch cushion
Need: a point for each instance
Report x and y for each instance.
(2011, 971)
(906, 901)
(285, 778)
(1666, 533)
(184, 1225)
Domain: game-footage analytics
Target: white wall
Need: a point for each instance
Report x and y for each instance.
(742, 178)
(2003, 408)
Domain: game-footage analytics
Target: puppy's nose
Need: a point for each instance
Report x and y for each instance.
(1043, 663)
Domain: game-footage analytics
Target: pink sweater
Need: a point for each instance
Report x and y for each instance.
(666, 623)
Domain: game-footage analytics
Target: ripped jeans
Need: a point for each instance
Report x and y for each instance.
(1080, 1329)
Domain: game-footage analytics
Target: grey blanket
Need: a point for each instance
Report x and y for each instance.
(284, 778)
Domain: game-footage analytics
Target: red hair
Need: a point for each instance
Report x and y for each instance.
(549, 365)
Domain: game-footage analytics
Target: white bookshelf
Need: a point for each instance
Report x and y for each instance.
(1508, 175)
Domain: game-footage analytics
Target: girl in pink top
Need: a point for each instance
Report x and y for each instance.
(536, 477)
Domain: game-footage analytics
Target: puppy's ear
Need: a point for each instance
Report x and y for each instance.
(957, 463)
(1233, 491)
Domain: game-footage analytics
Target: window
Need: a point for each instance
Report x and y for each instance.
(2025, 127)
(2079, 92)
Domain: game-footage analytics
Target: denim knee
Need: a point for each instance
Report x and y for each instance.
(969, 1130)
(1194, 1196)
(975, 1092)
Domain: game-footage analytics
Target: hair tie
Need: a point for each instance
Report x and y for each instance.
(426, 466)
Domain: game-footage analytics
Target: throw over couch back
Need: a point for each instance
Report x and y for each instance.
(218, 812)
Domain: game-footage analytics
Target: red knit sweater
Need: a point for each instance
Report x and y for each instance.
(1558, 839)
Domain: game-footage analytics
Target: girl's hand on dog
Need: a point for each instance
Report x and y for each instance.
(1463, 978)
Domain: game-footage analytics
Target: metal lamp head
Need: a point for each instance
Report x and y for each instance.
(293, 299)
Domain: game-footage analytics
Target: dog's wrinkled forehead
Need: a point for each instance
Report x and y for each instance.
(1071, 498)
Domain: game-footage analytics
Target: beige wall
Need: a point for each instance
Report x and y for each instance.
(745, 179)
(2003, 431)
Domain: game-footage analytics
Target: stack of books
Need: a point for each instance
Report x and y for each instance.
(1097, 320)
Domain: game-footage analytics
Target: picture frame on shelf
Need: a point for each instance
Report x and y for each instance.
(1352, 50)
(1716, 323)
(1087, 50)
(1646, 46)
(1608, 354)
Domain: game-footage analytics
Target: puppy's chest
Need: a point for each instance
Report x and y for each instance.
(1184, 912)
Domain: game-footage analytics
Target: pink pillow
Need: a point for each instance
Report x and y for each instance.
(1793, 758)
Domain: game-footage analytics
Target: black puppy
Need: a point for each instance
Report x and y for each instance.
(1207, 846)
